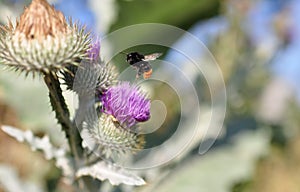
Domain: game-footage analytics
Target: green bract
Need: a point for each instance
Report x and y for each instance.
(111, 138)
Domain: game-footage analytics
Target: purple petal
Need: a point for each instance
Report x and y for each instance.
(126, 103)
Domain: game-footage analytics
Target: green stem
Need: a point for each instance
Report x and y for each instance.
(63, 116)
(72, 133)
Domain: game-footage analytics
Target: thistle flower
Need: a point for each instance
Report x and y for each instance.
(109, 138)
(126, 103)
(42, 40)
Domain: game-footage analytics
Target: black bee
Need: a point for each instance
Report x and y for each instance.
(141, 64)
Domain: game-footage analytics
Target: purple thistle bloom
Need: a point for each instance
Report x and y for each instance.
(94, 50)
(126, 103)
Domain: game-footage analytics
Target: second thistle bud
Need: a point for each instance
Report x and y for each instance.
(92, 75)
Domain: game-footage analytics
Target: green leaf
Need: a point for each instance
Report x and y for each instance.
(115, 175)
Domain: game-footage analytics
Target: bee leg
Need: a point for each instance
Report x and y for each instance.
(139, 73)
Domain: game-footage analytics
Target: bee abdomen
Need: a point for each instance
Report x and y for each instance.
(147, 74)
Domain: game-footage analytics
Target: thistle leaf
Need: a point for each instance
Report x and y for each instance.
(44, 145)
(115, 175)
(10, 181)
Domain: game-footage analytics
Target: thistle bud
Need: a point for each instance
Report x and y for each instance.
(92, 75)
(42, 40)
(110, 138)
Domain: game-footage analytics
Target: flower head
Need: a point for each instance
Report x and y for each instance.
(42, 40)
(126, 103)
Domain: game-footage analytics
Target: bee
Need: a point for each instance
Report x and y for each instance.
(141, 63)
(116, 122)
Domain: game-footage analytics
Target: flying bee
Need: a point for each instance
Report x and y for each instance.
(141, 63)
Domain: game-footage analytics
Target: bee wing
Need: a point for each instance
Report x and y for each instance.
(139, 71)
(152, 56)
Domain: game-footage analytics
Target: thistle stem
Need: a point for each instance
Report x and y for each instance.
(63, 116)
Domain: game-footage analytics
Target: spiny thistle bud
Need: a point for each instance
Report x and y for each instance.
(42, 40)
(92, 75)
(110, 138)
(126, 103)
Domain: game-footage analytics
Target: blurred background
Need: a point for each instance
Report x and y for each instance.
(256, 44)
